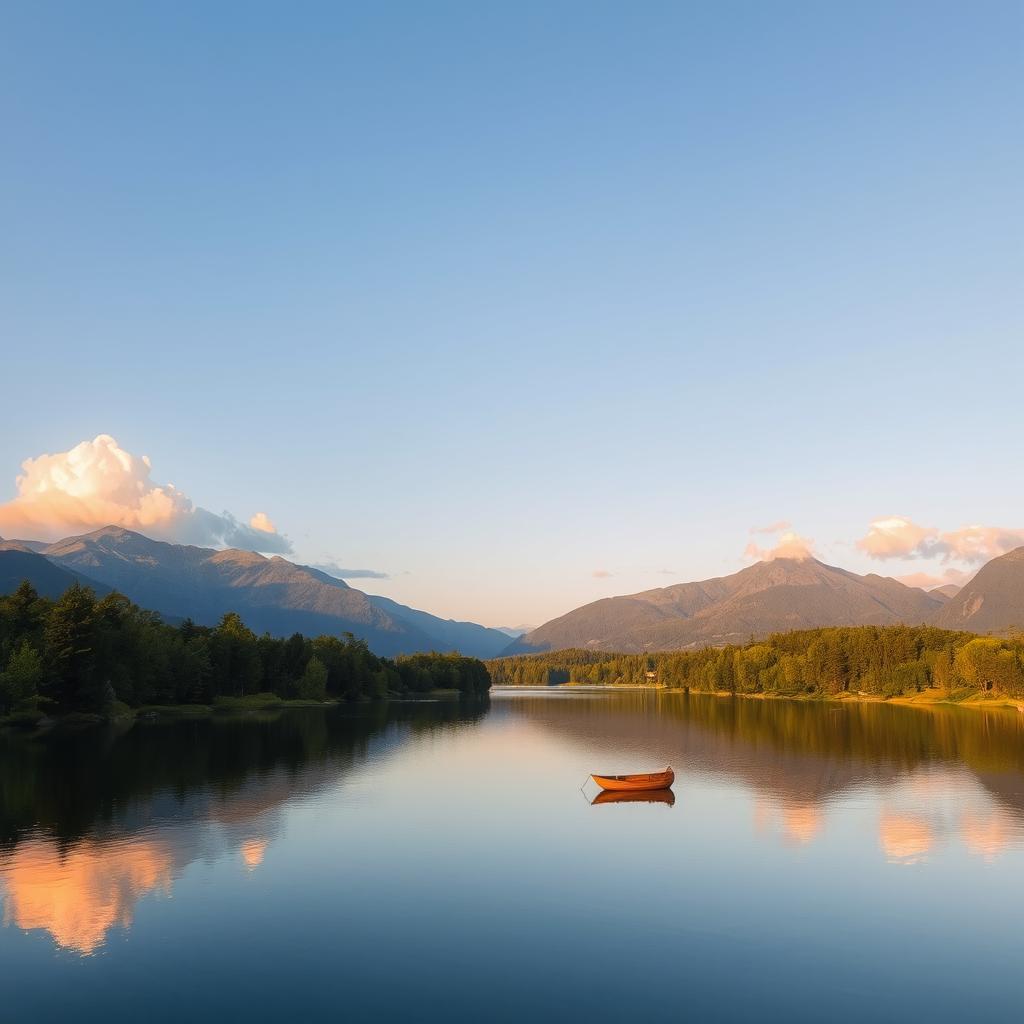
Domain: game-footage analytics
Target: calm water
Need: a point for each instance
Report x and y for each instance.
(431, 861)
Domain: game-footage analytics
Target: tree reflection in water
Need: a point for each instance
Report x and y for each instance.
(92, 820)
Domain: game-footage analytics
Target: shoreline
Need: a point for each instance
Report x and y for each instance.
(925, 699)
(229, 708)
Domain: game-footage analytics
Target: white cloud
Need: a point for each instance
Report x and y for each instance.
(790, 545)
(97, 483)
(600, 574)
(900, 537)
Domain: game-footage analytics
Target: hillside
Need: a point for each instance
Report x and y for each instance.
(783, 594)
(271, 594)
(992, 602)
(450, 634)
(48, 579)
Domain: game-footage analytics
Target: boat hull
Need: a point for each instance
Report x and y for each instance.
(635, 783)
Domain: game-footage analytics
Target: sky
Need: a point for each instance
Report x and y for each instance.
(505, 308)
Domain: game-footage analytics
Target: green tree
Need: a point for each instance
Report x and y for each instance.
(69, 637)
(313, 684)
(235, 657)
(20, 681)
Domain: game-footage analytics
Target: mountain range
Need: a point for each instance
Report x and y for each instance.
(779, 595)
(271, 594)
(281, 597)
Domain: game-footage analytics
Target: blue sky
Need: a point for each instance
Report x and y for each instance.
(493, 298)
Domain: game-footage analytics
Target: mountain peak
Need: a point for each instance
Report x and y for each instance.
(113, 532)
(993, 601)
(767, 597)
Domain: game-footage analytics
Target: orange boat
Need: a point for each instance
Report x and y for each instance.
(636, 783)
(650, 796)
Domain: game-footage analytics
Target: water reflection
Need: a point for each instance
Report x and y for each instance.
(905, 838)
(941, 775)
(80, 894)
(253, 851)
(93, 823)
(799, 821)
(82, 848)
(655, 796)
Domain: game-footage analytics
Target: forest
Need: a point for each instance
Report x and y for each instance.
(83, 654)
(883, 661)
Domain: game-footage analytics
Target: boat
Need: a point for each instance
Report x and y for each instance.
(636, 783)
(650, 796)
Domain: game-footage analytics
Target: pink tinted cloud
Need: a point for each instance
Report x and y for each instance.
(778, 527)
(790, 545)
(929, 580)
(97, 483)
(261, 521)
(900, 537)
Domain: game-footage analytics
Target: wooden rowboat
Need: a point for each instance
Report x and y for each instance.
(636, 783)
(650, 796)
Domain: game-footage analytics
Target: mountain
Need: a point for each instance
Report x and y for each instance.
(271, 594)
(49, 580)
(22, 545)
(948, 591)
(992, 602)
(467, 637)
(768, 597)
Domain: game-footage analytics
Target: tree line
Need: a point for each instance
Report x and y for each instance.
(79, 653)
(885, 661)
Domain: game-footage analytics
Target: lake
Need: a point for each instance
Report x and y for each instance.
(438, 861)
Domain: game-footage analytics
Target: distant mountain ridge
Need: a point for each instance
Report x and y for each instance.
(767, 597)
(280, 597)
(992, 602)
(18, 564)
(271, 594)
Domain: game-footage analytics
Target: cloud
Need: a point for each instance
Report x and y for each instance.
(782, 524)
(790, 545)
(929, 580)
(335, 570)
(262, 522)
(600, 574)
(900, 537)
(979, 543)
(97, 483)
